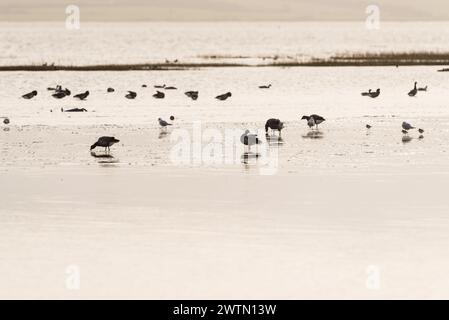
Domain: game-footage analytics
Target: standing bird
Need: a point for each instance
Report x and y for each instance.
(30, 95)
(313, 120)
(105, 142)
(421, 131)
(414, 91)
(5, 120)
(265, 87)
(368, 126)
(82, 96)
(159, 95)
(224, 97)
(192, 94)
(110, 90)
(163, 123)
(407, 126)
(274, 124)
(249, 139)
(131, 95)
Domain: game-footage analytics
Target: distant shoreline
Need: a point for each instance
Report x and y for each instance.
(340, 60)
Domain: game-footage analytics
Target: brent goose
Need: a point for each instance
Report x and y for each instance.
(82, 96)
(368, 126)
(105, 142)
(159, 95)
(249, 139)
(423, 89)
(421, 131)
(111, 90)
(172, 118)
(171, 88)
(407, 126)
(59, 94)
(224, 97)
(265, 87)
(131, 95)
(365, 94)
(159, 87)
(405, 132)
(30, 95)
(58, 88)
(6, 120)
(74, 110)
(313, 120)
(274, 124)
(374, 94)
(144, 86)
(414, 91)
(164, 123)
(192, 94)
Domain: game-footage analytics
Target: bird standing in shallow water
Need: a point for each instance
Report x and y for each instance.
(105, 142)
(274, 124)
(249, 139)
(313, 120)
(407, 126)
(30, 95)
(163, 123)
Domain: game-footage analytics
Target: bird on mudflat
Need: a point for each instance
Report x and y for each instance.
(105, 142)
(265, 87)
(163, 123)
(192, 94)
(249, 139)
(159, 86)
(422, 89)
(365, 94)
(313, 120)
(74, 110)
(414, 91)
(30, 95)
(131, 95)
(224, 97)
(421, 131)
(274, 125)
(110, 90)
(368, 126)
(407, 126)
(5, 120)
(171, 88)
(374, 94)
(82, 96)
(159, 95)
(405, 132)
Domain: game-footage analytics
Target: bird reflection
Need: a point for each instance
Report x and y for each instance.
(104, 159)
(250, 158)
(163, 133)
(406, 139)
(274, 140)
(314, 135)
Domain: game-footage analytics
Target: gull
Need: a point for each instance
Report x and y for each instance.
(407, 126)
(224, 97)
(249, 139)
(131, 95)
(414, 91)
(82, 96)
(274, 124)
(313, 120)
(30, 95)
(105, 142)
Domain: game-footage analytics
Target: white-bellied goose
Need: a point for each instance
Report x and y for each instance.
(105, 142)
(249, 139)
(313, 120)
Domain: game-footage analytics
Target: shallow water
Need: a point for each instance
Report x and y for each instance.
(137, 224)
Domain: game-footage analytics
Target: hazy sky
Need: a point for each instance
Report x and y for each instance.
(105, 10)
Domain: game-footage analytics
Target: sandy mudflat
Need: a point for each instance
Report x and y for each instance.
(334, 207)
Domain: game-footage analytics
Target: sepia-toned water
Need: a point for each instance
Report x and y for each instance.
(342, 212)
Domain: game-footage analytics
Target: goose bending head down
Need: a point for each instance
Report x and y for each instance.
(105, 142)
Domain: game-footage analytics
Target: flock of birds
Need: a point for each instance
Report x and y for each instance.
(248, 139)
